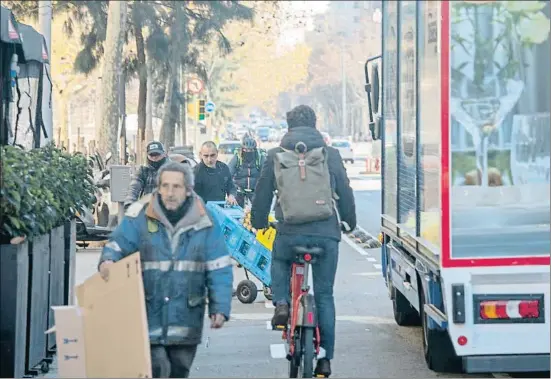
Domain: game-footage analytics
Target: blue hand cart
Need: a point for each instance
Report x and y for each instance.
(245, 249)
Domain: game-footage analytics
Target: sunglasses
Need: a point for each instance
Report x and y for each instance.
(154, 155)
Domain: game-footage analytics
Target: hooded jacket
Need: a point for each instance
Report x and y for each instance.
(182, 265)
(340, 184)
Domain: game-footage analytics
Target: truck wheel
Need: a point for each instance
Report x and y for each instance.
(404, 313)
(246, 291)
(437, 346)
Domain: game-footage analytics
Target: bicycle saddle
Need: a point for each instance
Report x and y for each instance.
(303, 250)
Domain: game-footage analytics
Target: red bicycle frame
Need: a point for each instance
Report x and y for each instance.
(299, 290)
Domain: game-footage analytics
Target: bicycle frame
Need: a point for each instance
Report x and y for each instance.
(303, 311)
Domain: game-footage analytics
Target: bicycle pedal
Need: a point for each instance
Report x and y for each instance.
(279, 327)
(321, 376)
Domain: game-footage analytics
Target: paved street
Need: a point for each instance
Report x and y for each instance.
(369, 343)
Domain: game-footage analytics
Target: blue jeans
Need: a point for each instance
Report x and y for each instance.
(323, 271)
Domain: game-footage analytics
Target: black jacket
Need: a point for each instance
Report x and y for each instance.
(213, 184)
(245, 174)
(339, 181)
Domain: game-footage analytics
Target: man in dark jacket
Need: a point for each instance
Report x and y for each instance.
(325, 234)
(213, 181)
(245, 168)
(143, 182)
(184, 262)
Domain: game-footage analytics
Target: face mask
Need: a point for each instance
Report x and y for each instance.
(248, 156)
(158, 163)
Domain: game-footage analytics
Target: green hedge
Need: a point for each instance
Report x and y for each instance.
(41, 189)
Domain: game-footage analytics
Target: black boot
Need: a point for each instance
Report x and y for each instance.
(323, 368)
(281, 315)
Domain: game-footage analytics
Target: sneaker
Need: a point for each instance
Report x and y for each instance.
(281, 315)
(323, 368)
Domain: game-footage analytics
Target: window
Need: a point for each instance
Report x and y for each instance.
(500, 107)
(390, 171)
(356, 4)
(429, 123)
(407, 125)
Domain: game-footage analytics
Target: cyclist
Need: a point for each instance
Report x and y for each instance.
(143, 182)
(324, 232)
(245, 168)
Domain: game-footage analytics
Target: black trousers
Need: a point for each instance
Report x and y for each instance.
(172, 361)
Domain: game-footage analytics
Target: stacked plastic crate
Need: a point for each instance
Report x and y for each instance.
(242, 244)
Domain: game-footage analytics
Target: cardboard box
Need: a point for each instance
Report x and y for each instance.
(106, 335)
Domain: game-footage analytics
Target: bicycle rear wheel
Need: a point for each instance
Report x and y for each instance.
(307, 342)
(294, 361)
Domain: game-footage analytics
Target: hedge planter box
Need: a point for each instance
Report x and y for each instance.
(14, 281)
(39, 295)
(57, 278)
(70, 262)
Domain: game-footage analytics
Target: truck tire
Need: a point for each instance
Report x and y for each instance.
(437, 345)
(404, 313)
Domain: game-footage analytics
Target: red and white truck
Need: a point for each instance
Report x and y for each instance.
(460, 99)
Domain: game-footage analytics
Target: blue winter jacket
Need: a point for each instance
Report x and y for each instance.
(182, 266)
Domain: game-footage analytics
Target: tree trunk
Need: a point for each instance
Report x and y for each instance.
(122, 114)
(142, 76)
(108, 136)
(149, 104)
(168, 125)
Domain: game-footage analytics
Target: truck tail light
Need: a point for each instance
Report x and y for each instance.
(509, 309)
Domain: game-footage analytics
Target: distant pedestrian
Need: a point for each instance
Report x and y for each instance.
(213, 180)
(143, 182)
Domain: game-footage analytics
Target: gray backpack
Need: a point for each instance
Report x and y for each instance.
(303, 185)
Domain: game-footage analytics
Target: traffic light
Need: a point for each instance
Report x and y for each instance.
(201, 113)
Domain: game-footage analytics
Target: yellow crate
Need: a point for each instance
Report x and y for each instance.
(267, 236)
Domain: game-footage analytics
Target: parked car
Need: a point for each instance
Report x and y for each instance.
(263, 133)
(345, 149)
(226, 150)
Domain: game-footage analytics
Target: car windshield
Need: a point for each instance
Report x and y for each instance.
(228, 148)
(340, 144)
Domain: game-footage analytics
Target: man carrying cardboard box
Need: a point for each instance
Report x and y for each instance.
(184, 260)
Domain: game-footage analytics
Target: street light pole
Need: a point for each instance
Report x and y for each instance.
(343, 69)
(45, 24)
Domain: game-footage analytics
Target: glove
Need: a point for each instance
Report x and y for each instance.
(345, 228)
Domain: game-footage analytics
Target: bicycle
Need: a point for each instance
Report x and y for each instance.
(302, 332)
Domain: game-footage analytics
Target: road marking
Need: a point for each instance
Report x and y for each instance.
(268, 304)
(374, 273)
(371, 259)
(278, 351)
(354, 245)
(359, 319)
(377, 266)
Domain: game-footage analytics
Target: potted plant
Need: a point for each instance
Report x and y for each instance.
(41, 190)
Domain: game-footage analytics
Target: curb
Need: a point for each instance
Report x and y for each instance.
(363, 239)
